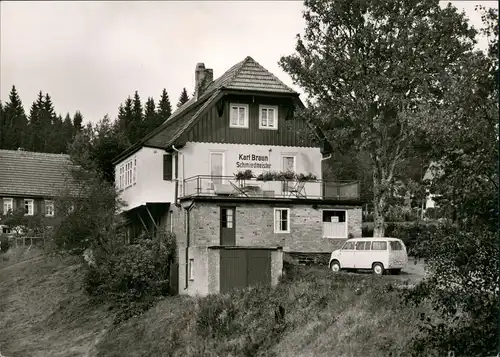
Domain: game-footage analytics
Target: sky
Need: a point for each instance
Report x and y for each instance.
(90, 56)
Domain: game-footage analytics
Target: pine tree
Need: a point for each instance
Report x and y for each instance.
(150, 116)
(35, 141)
(183, 97)
(77, 121)
(68, 131)
(164, 107)
(56, 140)
(136, 128)
(14, 122)
(48, 120)
(2, 124)
(125, 118)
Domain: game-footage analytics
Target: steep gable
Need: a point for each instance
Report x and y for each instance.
(247, 75)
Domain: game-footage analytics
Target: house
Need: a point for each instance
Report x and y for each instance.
(31, 181)
(188, 176)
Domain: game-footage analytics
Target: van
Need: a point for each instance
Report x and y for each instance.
(378, 254)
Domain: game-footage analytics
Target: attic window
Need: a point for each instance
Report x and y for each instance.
(238, 116)
(268, 117)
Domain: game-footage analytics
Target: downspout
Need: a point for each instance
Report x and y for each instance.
(188, 229)
(180, 168)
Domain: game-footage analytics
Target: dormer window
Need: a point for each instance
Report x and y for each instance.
(268, 117)
(238, 116)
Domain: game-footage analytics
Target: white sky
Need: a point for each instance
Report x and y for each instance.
(90, 56)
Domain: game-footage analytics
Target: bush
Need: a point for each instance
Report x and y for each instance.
(411, 234)
(4, 243)
(134, 277)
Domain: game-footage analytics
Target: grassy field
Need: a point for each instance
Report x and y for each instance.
(46, 313)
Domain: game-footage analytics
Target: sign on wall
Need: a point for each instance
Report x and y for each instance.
(253, 161)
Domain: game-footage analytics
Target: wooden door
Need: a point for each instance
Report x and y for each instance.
(227, 226)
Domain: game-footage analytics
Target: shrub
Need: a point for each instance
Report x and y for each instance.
(133, 277)
(4, 243)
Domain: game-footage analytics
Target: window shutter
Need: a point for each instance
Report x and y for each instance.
(167, 167)
(176, 166)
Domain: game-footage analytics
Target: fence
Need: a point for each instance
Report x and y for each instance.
(25, 241)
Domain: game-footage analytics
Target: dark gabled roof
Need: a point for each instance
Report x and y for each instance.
(247, 75)
(33, 174)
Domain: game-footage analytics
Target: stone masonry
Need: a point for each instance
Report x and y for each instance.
(255, 226)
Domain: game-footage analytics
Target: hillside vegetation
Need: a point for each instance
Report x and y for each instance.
(46, 313)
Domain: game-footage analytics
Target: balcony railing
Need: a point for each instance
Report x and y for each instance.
(206, 185)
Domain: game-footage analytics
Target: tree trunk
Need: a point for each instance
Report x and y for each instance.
(379, 202)
(378, 216)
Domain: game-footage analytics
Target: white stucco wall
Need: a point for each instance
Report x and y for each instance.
(149, 186)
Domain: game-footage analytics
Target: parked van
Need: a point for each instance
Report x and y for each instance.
(377, 254)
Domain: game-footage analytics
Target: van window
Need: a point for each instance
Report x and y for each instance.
(395, 245)
(348, 246)
(379, 245)
(363, 245)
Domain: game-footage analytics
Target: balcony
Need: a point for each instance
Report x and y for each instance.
(229, 186)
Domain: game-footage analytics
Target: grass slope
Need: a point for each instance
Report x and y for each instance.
(44, 309)
(346, 315)
(45, 313)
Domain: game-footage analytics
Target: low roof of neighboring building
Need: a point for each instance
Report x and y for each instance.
(33, 174)
(247, 75)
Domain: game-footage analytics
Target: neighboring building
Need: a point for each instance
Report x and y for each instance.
(230, 232)
(31, 181)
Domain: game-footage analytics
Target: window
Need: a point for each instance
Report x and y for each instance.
(7, 205)
(49, 208)
(379, 245)
(128, 174)
(281, 220)
(227, 218)
(288, 163)
(348, 246)
(395, 245)
(191, 269)
(28, 207)
(363, 245)
(238, 116)
(268, 117)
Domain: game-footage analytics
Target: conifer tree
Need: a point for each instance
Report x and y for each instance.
(2, 125)
(56, 140)
(35, 142)
(150, 116)
(68, 131)
(136, 128)
(48, 119)
(164, 107)
(14, 122)
(125, 118)
(184, 97)
(77, 121)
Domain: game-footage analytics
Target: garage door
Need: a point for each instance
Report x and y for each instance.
(240, 268)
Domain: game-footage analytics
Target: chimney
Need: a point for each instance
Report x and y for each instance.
(203, 77)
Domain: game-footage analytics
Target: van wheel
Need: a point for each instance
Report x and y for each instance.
(335, 266)
(378, 269)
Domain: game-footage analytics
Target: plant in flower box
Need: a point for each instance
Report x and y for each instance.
(244, 175)
(285, 176)
(309, 177)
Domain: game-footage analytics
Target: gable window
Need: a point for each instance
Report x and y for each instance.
(268, 117)
(29, 207)
(128, 174)
(49, 208)
(8, 205)
(282, 220)
(238, 116)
